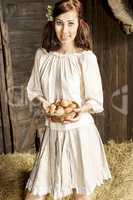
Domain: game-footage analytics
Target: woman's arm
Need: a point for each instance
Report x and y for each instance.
(42, 102)
(93, 100)
(34, 88)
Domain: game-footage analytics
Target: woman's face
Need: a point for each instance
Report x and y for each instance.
(66, 26)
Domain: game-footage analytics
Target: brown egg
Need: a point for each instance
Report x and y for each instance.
(52, 108)
(70, 116)
(59, 107)
(58, 103)
(65, 103)
(73, 105)
(62, 119)
(68, 109)
(47, 109)
(54, 119)
(60, 111)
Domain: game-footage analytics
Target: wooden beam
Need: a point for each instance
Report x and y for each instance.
(5, 121)
(4, 85)
(130, 87)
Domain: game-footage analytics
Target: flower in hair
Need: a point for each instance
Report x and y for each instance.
(72, 1)
(49, 13)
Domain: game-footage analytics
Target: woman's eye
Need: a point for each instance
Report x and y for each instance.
(58, 23)
(70, 23)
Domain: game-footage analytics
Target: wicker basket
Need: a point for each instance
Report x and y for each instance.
(60, 118)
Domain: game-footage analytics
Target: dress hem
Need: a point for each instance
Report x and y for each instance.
(63, 194)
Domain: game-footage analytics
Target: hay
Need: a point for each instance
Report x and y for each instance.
(15, 169)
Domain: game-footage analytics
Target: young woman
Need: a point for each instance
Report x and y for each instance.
(71, 155)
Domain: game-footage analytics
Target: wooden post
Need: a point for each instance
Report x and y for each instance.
(5, 82)
(1, 124)
(130, 87)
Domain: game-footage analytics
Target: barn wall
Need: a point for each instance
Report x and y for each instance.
(25, 19)
(111, 46)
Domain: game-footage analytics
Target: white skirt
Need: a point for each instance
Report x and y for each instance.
(69, 159)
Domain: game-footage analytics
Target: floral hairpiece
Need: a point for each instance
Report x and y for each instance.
(49, 13)
(72, 1)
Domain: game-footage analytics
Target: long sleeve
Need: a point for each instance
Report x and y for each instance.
(34, 88)
(92, 83)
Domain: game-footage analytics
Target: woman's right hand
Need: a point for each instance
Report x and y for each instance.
(44, 103)
(45, 106)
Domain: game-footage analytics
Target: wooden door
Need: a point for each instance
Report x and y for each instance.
(21, 29)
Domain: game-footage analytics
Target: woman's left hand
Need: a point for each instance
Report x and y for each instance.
(75, 119)
(84, 108)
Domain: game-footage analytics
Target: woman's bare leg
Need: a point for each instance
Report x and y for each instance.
(81, 197)
(30, 196)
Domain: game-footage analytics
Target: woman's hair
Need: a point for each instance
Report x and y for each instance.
(50, 41)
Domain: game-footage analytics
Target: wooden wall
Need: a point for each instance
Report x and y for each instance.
(22, 23)
(111, 46)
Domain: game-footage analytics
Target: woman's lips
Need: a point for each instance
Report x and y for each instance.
(64, 38)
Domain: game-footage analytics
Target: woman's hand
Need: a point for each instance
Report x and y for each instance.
(75, 119)
(84, 108)
(45, 106)
(44, 103)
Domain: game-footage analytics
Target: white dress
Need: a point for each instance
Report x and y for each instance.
(71, 155)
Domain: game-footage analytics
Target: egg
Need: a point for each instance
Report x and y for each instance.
(52, 108)
(73, 105)
(68, 109)
(60, 111)
(65, 103)
(70, 116)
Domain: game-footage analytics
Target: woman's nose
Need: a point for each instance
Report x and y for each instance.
(64, 29)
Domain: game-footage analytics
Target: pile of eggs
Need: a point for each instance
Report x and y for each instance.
(62, 110)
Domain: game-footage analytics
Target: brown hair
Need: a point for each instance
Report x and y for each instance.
(82, 40)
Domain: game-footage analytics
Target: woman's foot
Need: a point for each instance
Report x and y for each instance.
(30, 196)
(81, 197)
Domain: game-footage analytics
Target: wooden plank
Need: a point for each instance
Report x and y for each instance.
(1, 128)
(7, 82)
(1, 133)
(5, 128)
(130, 86)
(123, 81)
